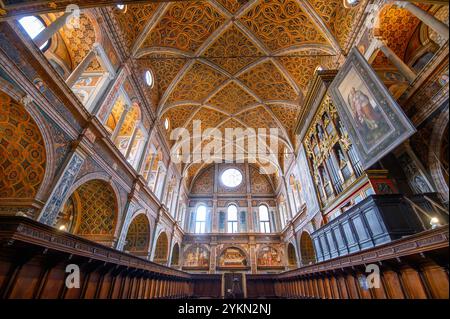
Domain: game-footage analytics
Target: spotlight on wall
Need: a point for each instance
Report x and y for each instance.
(434, 222)
(62, 228)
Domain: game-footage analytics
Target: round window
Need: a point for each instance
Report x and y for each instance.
(351, 3)
(231, 178)
(149, 78)
(166, 124)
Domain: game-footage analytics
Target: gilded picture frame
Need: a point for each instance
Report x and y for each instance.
(375, 123)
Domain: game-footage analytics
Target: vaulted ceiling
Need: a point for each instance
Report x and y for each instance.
(236, 63)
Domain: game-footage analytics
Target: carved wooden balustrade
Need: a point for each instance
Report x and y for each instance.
(409, 268)
(34, 259)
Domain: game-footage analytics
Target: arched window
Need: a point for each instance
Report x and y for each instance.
(166, 124)
(161, 249)
(149, 78)
(264, 220)
(283, 214)
(33, 26)
(175, 261)
(308, 255)
(121, 7)
(200, 220)
(232, 219)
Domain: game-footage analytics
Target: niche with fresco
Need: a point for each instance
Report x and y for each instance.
(233, 258)
(269, 258)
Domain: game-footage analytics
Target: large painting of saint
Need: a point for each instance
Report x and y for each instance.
(375, 122)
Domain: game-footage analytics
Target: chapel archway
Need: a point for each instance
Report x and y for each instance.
(22, 154)
(175, 260)
(91, 212)
(307, 253)
(161, 249)
(292, 256)
(138, 236)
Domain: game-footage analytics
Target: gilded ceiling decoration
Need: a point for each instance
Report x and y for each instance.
(232, 99)
(209, 118)
(197, 83)
(80, 40)
(22, 151)
(267, 81)
(138, 235)
(258, 117)
(134, 21)
(185, 26)
(302, 68)
(179, 115)
(233, 5)
(165, 68)
(281, 24)
(237, 49)
(98, 208)
(259, 182)
(285, 113)
(339, 19)
(204, 184)
(238, 63)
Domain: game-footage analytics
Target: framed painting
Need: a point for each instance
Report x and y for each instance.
(376, 124)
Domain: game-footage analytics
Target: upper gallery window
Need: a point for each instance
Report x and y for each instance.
(33, 26)
(121, 7)
(351, 3)
(264, 221)
(231, 178)
(200, 220)
(166, 124)
(232, 219)
(149, 78)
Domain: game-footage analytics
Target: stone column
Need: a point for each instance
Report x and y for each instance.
(49, 31)
(292, 212)
(435, 24)
(409, 74)
(125, 222)
(81, 68)
(133, 139)
(104, 109)
(120, 123)
(61, 188)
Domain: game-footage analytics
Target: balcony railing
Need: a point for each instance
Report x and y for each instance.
(374, 221)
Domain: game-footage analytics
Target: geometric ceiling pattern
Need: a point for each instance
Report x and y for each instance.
(237, 63)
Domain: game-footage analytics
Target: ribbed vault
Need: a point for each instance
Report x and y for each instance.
(237, 63)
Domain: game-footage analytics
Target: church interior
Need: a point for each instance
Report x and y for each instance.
(117, 168)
